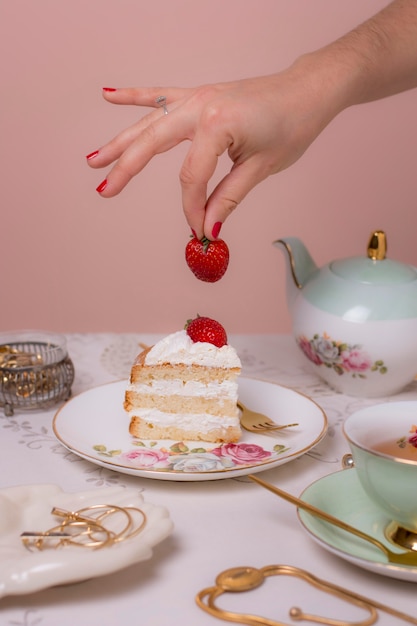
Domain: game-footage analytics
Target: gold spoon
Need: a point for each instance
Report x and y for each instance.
(400, 558)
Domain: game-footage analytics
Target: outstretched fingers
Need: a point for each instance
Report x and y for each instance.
(125, 141)
(134, 148)
(114, 149)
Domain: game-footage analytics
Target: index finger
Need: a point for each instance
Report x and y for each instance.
(145, 96)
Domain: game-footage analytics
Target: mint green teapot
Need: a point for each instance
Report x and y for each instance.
(355, 319)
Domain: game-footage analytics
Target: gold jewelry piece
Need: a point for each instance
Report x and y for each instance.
(85, 528)
(71, 532)
(240, 579)
(41, 540)
(71, 515)
(105, 510)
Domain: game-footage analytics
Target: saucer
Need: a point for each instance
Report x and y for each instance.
(28, 508)
(341, 495)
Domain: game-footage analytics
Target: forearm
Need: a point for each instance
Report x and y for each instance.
(375, 60)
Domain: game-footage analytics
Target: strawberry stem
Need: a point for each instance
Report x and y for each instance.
(206, 242)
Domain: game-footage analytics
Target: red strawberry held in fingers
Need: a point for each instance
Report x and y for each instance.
(208, 260)
(206, 330)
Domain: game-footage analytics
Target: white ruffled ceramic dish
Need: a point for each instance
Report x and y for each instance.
(95, 426)
(28, 508)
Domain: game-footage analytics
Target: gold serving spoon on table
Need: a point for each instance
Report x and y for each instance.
(258, 422)
(399, 558)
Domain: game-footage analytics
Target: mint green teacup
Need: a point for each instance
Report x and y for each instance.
(383, 442)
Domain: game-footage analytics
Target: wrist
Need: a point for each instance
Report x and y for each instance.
(335, 75)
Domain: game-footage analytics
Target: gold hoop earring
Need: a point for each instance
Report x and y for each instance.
(86, 528)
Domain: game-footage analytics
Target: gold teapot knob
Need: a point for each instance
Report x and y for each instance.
(377, 246)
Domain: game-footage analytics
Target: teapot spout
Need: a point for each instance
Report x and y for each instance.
(300, 265)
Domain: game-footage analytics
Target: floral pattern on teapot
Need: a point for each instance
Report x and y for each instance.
(339, 356)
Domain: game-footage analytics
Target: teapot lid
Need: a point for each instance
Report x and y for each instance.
(375, 268)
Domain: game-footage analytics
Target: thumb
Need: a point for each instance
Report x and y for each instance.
(228, 194)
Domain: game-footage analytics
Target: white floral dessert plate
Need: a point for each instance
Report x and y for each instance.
(95, 426)
(28, 508)
(341, 495)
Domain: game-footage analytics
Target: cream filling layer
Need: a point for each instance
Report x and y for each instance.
(201, 422)
(190, 388)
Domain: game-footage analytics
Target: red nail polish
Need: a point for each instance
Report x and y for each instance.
(109, 89)
(102, 186)
(92, 155)
(216, 229)
(194, 233)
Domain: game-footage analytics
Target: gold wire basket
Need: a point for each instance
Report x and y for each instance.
(35, 370)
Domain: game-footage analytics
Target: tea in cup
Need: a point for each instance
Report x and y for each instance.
(383, 442)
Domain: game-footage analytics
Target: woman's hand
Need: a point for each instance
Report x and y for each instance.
(264, 124)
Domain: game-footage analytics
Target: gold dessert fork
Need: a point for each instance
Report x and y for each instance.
(400, 558)
(257, 422)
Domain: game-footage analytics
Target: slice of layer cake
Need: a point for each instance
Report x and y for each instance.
(184, 388)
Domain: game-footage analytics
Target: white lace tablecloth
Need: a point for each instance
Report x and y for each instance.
(218, 524)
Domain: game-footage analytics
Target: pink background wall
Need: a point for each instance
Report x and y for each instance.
(71, 261)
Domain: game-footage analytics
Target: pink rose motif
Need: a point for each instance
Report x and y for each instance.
(308, 350)
(339, 356)
(144, 457)
(242, 453)
(355, 360)
(413, 440)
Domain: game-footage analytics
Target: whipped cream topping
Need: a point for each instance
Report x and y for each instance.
(180, 348)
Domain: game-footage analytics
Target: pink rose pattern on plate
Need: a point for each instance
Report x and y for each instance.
(179, 457)
(342, 357)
